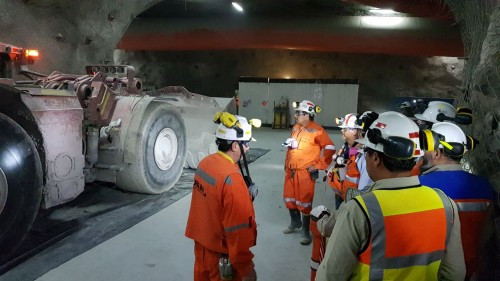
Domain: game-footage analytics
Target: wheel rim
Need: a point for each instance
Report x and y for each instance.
(4, 190)
(165, 150)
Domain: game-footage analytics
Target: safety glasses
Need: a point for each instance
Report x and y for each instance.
(348, 129)
(297, 113)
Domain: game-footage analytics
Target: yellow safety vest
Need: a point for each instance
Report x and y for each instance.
(409, 231)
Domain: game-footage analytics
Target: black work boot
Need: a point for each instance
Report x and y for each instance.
(294, 222)
(305, 235)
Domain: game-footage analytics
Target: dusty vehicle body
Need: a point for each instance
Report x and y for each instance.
(60, 131)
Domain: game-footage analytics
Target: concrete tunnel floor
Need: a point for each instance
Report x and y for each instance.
(156, 248)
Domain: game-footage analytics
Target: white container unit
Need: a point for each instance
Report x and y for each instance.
(336, 97)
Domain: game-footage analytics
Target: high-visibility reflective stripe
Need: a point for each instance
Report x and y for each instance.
(311, 130)
(236, 227)
(302, 204)
(228, 181)
(448, 209)
(378, 247)
(378, 261)
(377, 257)
(472, 206)
(314, 265)
(352, 179)
(413, 260)
(330, 147)
(206, 177)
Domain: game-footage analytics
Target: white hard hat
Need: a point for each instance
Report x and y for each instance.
(451, 132)
(350, 121)
(307, 106)
(434, 108)
(395, 129)
(242, 125)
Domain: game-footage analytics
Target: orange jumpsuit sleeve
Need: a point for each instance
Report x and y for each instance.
(322, 139)
(336, 184)
(238, 220)
(351, 181)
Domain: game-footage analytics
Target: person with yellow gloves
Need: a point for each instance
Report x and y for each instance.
(399, 229)
(221, 217)
(304, 159)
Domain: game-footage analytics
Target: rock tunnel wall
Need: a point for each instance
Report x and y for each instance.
(216, 73)
(69, 34)
(480, 27)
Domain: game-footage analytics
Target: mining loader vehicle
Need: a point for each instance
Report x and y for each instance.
(60, 131)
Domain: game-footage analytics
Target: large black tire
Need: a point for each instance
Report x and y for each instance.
(147, 173)
(21, 182)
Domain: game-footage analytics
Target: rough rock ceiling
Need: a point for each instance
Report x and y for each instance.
(313, 25)
(204, 8)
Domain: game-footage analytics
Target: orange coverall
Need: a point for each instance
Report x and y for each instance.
(221, 219)
(351, 180)
(298, 192)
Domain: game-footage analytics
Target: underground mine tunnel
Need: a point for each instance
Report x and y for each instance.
(127, 149)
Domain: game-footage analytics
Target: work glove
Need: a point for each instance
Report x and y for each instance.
(253, 190)
(313, 172)
(318, 212)
(291, 143)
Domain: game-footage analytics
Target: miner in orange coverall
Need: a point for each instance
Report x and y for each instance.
(351, 176)
(354, 174)
(221, 218)
(303, 160)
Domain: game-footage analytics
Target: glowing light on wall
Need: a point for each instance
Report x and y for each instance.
(384, 12)
(237, 7)
(383, 21)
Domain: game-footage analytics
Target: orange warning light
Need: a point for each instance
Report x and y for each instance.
(32, 53)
